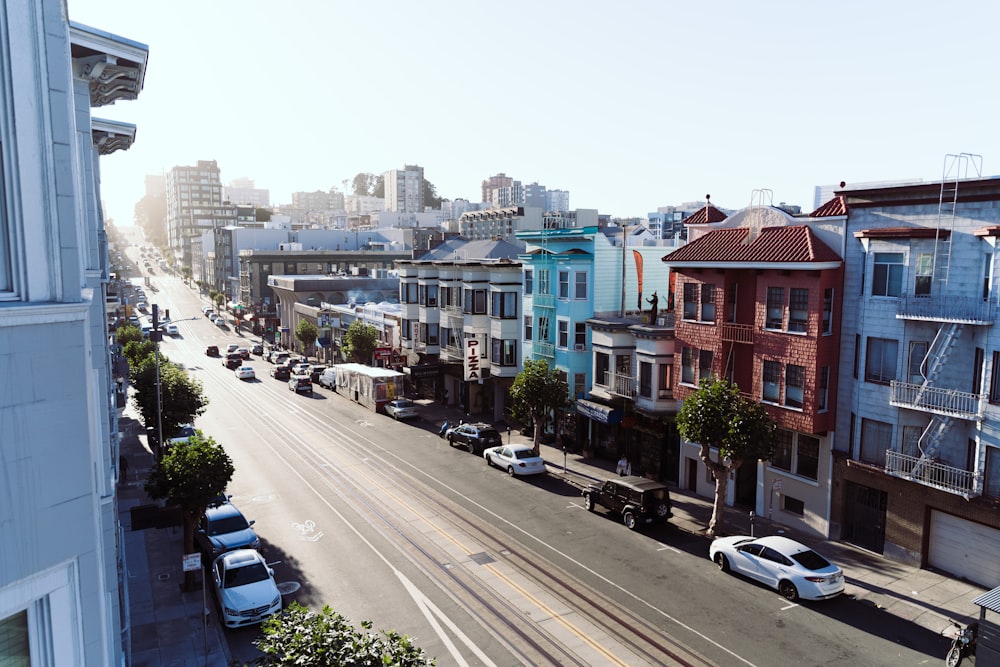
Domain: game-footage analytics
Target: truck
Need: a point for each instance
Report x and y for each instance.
(367, 385)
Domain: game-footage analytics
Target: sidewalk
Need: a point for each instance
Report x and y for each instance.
(925, 597)
(166, 624)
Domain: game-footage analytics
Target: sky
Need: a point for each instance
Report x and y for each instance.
(628, 106)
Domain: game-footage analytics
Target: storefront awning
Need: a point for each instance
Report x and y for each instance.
(599, 413)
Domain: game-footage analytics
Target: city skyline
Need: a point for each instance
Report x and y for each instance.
(628, 108)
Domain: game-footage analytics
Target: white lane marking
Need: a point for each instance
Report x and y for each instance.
(667, 547)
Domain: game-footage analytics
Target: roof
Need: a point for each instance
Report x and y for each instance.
(836, 206)
(461, 249)
(903, 233)
(704, 215)
(990, 600)
(774, 245)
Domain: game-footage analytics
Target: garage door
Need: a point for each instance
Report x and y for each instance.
(965, 549)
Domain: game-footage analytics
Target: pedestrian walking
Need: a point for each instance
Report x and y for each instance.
(444, 429)
(624, 468)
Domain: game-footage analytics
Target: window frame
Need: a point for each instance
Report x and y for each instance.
(890, 283)
(876, 353)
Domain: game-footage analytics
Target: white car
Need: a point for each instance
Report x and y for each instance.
(793, 569)
(245, 373)
(172, 330)
(402, 408)
(515, 459)
(245, 588)
(301, 369)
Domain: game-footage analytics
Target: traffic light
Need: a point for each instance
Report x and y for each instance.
(166, 312)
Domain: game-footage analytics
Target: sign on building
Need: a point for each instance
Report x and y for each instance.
(473, 370)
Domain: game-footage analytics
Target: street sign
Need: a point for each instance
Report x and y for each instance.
(192, 562)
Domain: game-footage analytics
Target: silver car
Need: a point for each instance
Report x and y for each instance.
(402, 408)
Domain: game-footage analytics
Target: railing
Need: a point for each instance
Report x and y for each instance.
(947, 308)
(949, 402)
(622, 385)
(453, 310)
(544, 300)
(932, 473)
(737, 333)
(544, 349)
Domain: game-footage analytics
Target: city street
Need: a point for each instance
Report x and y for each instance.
(384, 521)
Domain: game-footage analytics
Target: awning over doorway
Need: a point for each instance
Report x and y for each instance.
(599, 413)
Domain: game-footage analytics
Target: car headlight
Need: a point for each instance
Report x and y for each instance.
(276, 601)
(230, 612)
(255, 543)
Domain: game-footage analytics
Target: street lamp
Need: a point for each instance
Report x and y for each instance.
(156, 335)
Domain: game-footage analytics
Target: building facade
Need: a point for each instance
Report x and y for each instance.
(404, 189)
(194, 205)
(63, 576)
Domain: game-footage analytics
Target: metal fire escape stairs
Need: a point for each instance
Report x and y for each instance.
(955, 168)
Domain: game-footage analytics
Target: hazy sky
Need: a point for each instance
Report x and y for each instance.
(627, 105)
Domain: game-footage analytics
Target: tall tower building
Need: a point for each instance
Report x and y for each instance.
(404, 189)
(194, 205)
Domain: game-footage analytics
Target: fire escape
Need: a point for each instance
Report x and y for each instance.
(954, 312)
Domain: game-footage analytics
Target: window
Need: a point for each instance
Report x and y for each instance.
(563, 333)
(991, 480)
(823, 389)
(772, 382)
(579, 384)
(690, 301)
(602, 362)
(987, 272)
(504, 352)
(924, 274)
(918, 352)
(645, 379)
(794, 505)
(977, 370)
(580, 334)
(564, 284)
(783, 450)
(880, 360)
(876, 437)
(543, 329)
(527, 327)
(995, 379)
(543, 282)
(795, 377)
(529, 281)
(857, 354)
(475, 301)
(707, 303)
(687, 365)
(911, 440)
(828, 310)
(731, 303)
(505, 305)
(807, 456)
(666, 379)
(705, 359)
(406, 329)
(581, 285)
(408, 292)
(798, 309)
(775, 308)
(887, 278)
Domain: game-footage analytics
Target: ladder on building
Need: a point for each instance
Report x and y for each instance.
(955, 168)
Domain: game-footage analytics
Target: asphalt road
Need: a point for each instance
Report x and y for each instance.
(385, 522)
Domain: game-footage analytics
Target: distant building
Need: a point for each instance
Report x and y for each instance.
(404, 189)
(499, 224)
(317, 200)
(242, 191)
(194, 205)
(557, 200)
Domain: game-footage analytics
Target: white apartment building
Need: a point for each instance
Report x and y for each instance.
(404, 189)
(194, 205)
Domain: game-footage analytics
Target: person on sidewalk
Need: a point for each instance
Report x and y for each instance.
(624, 468)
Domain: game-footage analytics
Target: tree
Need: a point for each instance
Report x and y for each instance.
(718, 418)
(301, 637)
(430, 196)
(212, 295)
(135, 351)
(127, 333)
(181, 398)
(189, 476)
(360, 341)
(537, 392)
(186, 274)
(306, 333)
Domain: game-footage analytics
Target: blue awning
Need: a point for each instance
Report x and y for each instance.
(599, 413)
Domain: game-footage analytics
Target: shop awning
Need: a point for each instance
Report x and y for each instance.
(599, 413)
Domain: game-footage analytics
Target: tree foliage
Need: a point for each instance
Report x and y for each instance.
(364, 185)
(718, 418)
(127, 333)
(537, 392)
(298, 636)
(306, 333)
(430, 195)
(182, 398)
(360, 341)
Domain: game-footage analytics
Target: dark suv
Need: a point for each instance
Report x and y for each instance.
(233, 360)
(636, 499)
(475, 437)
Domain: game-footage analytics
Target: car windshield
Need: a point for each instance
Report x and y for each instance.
(248, 574)
(811, 560)
(229, 524)
(404, 403)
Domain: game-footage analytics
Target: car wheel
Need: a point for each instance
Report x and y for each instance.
(451, 441)
(489, 461)
(722, 562)
(510, 470)
(788, 591)
(588, 502)
(630, 521)
(472, 448)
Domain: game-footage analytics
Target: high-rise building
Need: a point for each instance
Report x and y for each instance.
(404, 189)
(194, 205)
(242, 191)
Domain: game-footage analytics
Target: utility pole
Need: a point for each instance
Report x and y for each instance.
(156, 336)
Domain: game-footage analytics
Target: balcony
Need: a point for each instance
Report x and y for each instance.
(946, 308)
(946, 402)
(544, 349)
(932, 473)
(620, 385)
(737, 333)
(453, 310)
(543, 301)
(451, 353)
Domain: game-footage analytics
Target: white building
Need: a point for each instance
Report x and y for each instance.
(61, 578)
(404, 189)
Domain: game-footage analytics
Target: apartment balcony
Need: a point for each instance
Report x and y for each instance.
(544, 349)
(933, 474)
(947, 308)
(936, 400)
(620, 385)
(451, 353)
(543, 300)
(737, 333)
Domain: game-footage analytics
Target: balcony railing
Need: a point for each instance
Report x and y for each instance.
(544, 300)
(544, 349)
(948, 402)
(621, 385)
(947, 308)
(932, 473)
(737, 333)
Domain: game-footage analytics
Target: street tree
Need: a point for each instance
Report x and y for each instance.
(213, 295)
(181, 397)
(729, 427)
(190, 475)
(298, 636)
(306, 333)
(126, 333)
(537, 393)
(137, 350)
(360, 341)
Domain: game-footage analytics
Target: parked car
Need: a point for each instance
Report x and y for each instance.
(793, 569)
(206, 311)
(212, 351)
(278, 357)
(328, 378)
(280, 373)
(244, 352)
(220, 322)
(402, 408)
(245, 588)
(300, 384)
(515, 459)
(172, 330)
(474, 437)
(300, 369)
(232, 347)
(636, 499)
(232, 360)
(224, 528)
(315, 372)
(245, 373)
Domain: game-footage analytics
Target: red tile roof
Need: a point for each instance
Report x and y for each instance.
(796, 243)
(836, 206)
(704, 215)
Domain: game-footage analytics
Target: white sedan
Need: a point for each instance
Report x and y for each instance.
(515, 459)
(793, 569)
(172, 330)
(245, 373)
(402, 408)
(245, 588)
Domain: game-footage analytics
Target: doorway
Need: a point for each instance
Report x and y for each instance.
(864, 517)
